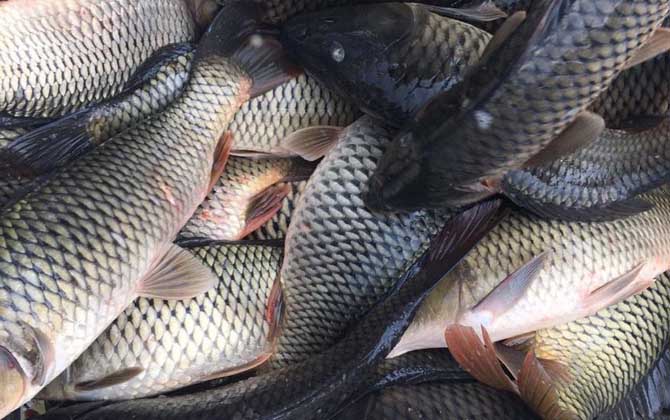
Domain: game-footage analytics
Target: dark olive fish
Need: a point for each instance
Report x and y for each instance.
(599, 181)
(278, 11)
(155, 85)
(638, 96)
(376, 54)
(316, 388)
(457, 400)
(57, 57)
(520, 97)
(341, 259)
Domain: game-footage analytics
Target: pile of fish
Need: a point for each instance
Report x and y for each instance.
(334, 209)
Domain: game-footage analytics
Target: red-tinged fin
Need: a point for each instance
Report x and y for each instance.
(506, 30)
(616, 290)
(538, 389)
(263, 207)
(585, 129)
(266, 63)
(13, 382)
(658, 43)
(512, 359)
(512, 288)
(236, 370)
(274, 311)
(115, 378)
(312, 143)
(477, 357)
(485, 12)
(221, 155)
(45, 353)
(178, 275)
(254, 154)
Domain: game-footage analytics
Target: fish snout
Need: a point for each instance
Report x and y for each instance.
(13, 382)
(295, 33)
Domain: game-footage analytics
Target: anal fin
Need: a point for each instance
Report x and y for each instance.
(116, 378)
(264, 206)
(312, 143)
(585, 129)
(177, 275)
(658, 43)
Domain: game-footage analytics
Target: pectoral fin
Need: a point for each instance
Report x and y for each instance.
(178, 275)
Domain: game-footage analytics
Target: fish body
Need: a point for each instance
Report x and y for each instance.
(438, 401)
(178, 343)
(60, 56)
(638, 93)
(264, 123)
(77, 250)
(598, 181)
(606, 355)
(156, 84)
(247, 195)
(316, 388)
(583, 267)
(520, 98)
(341, 259)
(376, 54)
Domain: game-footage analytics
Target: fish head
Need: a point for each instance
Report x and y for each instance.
(13, 383)
(348, 49)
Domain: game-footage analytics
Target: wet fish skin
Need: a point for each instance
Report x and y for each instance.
(265, 121)
(316, 388)
(520, 98)
(638, 92)
(90, 234)
(178, 343)
(608, 353)
(10, 185)
(277, 227)
(376, 54)
(599, 181)
(341, 259)
(156, 84)
(55, 77)
(228, 213)
(437, 401)
(582, 257)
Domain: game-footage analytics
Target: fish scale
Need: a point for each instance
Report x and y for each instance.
(178, 343)
(57, 57)
(608, 353)
(583, 257)
(73, 251)
(561, 58)
(264, 122)
(340, 258)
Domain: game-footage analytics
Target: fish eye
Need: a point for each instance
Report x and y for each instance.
(337, 52)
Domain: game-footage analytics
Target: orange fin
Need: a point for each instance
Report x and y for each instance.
(274, 312)
(479, 359)
(116, 378)
(177, 275)
(616, 290)
(221, 155)
(312, 143)
(512, 288)
(658, 43)
(264, 206)
(537, 388)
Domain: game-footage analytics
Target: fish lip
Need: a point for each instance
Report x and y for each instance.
(9, 363)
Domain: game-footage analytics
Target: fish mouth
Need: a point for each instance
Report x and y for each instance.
(13, 382)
